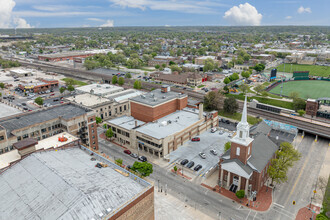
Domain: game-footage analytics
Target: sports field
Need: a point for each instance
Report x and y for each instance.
(314, 70)
(307, 89)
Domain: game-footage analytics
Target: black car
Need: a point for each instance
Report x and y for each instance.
(142, 158)
(198, 167)
(190, 164)
(24, 104)
(55, 100)
(25, 108)
(184, 162)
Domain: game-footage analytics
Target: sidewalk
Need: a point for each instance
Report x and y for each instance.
(306, 213)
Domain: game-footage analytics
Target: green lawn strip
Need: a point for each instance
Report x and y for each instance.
(278, 103)
(200, 86)
(314, 70)
(326, 200)
(237, 116)
(76, 82)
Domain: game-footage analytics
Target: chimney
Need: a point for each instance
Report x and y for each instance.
(165, 89)
(200, 106)
(135, 123)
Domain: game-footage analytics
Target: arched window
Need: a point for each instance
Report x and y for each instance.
(238, 150)
(240, 134)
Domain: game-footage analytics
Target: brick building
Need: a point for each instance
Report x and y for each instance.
(43, 85)
(45, 123)
(189, 78)
(244, 165)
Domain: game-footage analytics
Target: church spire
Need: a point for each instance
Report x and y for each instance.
(244, 113)
(243, 127)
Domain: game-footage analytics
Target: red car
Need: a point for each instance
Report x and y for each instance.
(52, 94)
(127, 152)
(196, 139)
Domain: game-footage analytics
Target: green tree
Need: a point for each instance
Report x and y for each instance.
(259, 67)
(109, 133)
(144, 168)
(246, 74)
(175, 169)
(119, 161)
(244, 88)
(98, 120)
(69, 81)
(39, 101)
(171, 63)
(213, 100)
(264, 94)
(176, 68)
(62, 89)
(157, 66)
(294, 95)
(259, 88)
(105, 126)
(128, 75)
(234, 77)
(230, 105)
(227, 146)
(240, 194)
(2, 85)
(121, 81)
(301, 112)
(285, 157)
(114, 80)
(137, 84)
(209, 65)
(321, 217)
(299, 104)
(70, 88)
(226, 80)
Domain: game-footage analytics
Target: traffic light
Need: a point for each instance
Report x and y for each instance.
(293, 202)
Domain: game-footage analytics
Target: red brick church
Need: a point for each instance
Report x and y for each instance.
(244, 165)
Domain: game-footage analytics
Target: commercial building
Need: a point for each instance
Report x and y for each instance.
(99, 89)
(65, 184)
(201, 60)
(42, 85)
(44, 123)
(244, 165)
(189, 78)
(160, 122)
(160, 60)
(20, 72)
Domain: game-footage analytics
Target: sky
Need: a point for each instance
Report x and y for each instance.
(114, 13)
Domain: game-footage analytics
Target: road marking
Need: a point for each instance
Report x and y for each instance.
(292, 215)
(255, 215)
(301, 171)
(279, 205)
(248, 215)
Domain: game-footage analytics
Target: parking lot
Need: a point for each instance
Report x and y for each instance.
(190, 151)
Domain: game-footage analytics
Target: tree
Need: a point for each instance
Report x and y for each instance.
(284, 159)
(259, 88)
(114, 80)
(137, 84)
(119, 161)
(209, 65)
(264, 94)
(105, 126)
(213, 100)
(240, 194)
(246, 74)
(121, 81)
(144, 168)
(226, 80)
(98, 120)
(234, 77)
(2, 85)
(244, 88)
(175, 169)
(70, 88)
(157, 66)
(227, 146)
(226, 89)
(176, 68)
(39, 101)
(62, 89)
(259, 67)
(301, 112)
(171, 63)
(109, 133)
(230, 105)
(299, 104)
(128, 75)
(294, 95)
(69, 81)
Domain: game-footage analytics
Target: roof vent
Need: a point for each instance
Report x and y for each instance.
(164, 97)
(108, 87)
(143, 96)
(98, 85)
(155, 99)
(152, 95)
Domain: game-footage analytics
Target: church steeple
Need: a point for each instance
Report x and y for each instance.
(243, 127)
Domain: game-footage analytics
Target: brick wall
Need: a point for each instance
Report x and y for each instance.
(243, 152)
(92, 127)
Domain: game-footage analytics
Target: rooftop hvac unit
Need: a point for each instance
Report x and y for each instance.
(108, 87)
(164, 97)
(155, 99)
(98, 85)
(143, 96)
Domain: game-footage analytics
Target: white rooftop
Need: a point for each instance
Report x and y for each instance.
(88, 99)
(99, 89)
(6, 110)
(63, 184)
(53, 141)
(126, 122)
(20, 71)
(9, 157)
(124, 95)
(169, 124)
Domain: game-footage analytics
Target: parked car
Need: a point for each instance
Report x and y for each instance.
(25, 108)
(142, 158)
(202, 155)
(196, 139)
(52, 94)
(190, 164)
(55, 100)
(184, 162)
(198, 167)
(127, 152)
(213, 130)
(134, 155)
(230, 135)
(214, 152)
(24, 103)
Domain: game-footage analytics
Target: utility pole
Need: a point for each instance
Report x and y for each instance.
(158, 185)
(219, 215)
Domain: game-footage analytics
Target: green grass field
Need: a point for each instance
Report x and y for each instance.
(75, 82)
(306, 89)
(313, 69)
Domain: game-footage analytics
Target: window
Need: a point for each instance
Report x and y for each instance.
(120, 109)
(240, 134)
(25, 136)
(105, 114)
(92, 131)
(101, 109)
(109, 113)
(49, 128)
(238, 150)
(124, 107)
(91, 119)
(249, 150)
(93, 137)
(92, 126)
(2, 138)
(43, 130)
(116, 111)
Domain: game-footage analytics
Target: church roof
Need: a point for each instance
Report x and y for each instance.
(237, 167)
(261, 128)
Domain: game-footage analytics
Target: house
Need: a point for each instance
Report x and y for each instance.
(244, 165)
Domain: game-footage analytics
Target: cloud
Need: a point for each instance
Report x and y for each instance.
(6, 16)
(244, 14)
(301, 10)
(94, 19)
(108, 23)
(288, 17)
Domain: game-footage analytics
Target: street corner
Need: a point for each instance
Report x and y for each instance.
(180, 173)
(308, 213)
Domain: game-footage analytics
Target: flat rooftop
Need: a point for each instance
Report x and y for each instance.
(67, 111)
(157, 97)
(88, 99)
(126, 122)
(169, 124)
(53, 141)
(125, 95)
(63, 184)
(6, 110)
(100, 89)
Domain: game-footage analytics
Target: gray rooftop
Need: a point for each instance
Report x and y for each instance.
(261, 128)
(126, 122)
(157, 97)
(63, 184)
(67, 111)
(169, 124)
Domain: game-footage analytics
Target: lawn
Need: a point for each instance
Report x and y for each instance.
(306, 89)
(313, 69)
(75, 82)
(237, 116)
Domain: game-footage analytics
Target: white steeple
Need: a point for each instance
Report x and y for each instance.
(243, 127)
